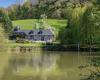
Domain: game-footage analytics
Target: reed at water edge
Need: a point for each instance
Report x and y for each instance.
(4, 54)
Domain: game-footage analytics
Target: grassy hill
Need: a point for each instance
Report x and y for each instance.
(30, 23)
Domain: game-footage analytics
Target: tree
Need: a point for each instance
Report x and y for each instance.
(91, 24)
(83, 25)
(6, 22)
(12, 12)
(72, 31)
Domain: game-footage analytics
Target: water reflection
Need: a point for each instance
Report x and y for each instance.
(92, 71)
(45, 65)
(34, 61)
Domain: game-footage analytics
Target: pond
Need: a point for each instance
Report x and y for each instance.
(46, 65)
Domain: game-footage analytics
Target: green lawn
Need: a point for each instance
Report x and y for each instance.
(30, 23)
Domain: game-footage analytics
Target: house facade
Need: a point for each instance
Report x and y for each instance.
(46, 35)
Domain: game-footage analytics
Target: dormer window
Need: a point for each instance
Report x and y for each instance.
(40, 32)
(31, 32)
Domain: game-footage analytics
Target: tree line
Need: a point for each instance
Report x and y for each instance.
(52, 8)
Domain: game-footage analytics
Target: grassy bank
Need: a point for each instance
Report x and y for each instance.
(13, 44)
(54, 46)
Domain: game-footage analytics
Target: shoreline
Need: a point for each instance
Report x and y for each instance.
(56, 47)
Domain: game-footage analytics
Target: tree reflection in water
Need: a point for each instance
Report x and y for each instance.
(35, 62)
(93, 69)
(44, 65)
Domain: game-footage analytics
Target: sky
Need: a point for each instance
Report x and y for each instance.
(6, 3)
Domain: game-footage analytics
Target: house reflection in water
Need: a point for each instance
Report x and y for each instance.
(35, 62)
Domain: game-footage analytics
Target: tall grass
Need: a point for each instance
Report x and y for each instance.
(3, 40)
(4, 55)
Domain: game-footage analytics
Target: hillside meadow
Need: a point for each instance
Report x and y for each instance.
(30, 23)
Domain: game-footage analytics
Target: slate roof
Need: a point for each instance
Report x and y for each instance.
(36, 32)
(43, 32)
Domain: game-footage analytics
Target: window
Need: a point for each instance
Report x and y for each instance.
(42, 38)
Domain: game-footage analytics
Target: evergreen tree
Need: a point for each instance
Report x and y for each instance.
(6, 22)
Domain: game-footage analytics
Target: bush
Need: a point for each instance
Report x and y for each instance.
(6, 22)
